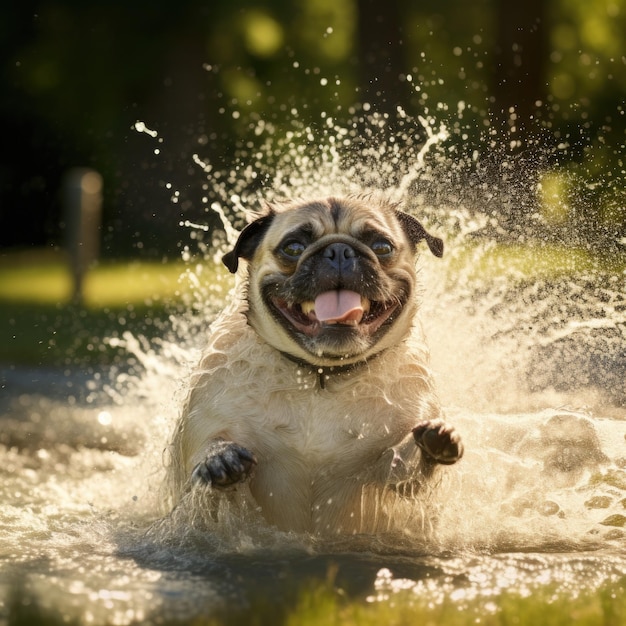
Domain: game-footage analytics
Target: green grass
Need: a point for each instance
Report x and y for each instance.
(544, 607)
(41, 325)
(320, 604)
(44, 278)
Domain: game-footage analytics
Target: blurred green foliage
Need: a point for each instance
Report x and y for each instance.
(77, 76)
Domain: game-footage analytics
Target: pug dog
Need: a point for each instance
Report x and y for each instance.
(313, 398)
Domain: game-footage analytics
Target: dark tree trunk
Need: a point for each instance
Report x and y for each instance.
(381, 55)
(518, 68)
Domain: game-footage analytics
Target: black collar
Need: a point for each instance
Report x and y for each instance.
(324, 372)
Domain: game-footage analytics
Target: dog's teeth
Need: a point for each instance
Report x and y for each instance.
(365, 303)
(307, 307)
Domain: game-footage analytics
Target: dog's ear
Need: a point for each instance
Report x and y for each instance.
(416, 232)
(247, 242)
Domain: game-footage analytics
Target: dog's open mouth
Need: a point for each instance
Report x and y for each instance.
(340, 308)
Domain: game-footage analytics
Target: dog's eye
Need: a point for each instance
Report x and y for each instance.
(382, 248)
(293, 249)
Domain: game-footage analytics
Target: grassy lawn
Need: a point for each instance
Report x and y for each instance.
(41, 326)
(319, 604)
(322, 606)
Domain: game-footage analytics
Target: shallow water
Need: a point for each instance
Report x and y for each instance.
(532, 373)
(539, 498)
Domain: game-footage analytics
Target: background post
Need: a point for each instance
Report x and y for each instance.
(82, 204)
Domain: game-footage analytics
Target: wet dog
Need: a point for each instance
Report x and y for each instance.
(314, 395)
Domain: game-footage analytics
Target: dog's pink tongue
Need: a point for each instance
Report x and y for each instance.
(339, 306)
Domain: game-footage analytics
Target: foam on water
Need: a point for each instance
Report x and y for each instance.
(532, 372)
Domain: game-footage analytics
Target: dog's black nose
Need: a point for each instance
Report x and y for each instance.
(340, 256)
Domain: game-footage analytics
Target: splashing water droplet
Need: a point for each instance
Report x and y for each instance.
(141, 127)
(105, 418)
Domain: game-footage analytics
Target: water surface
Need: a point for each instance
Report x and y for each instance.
(531, 370)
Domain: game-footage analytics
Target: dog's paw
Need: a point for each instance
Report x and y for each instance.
(226, 464)
(439, 441)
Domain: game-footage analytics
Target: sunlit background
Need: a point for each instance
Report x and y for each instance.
(77, 76)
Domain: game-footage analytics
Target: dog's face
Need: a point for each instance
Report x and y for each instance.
(332, 282)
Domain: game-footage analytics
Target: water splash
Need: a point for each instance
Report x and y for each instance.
(530, 365)
(518, 352)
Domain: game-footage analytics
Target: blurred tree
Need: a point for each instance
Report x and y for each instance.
(382, 59)
(77, 76)
(519, 64)
(587, 83)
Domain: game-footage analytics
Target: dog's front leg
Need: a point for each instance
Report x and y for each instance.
(226, 464)
(430, 443)
(439, 442)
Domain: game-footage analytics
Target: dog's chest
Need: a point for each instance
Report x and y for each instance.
(286, 416)
(317, 426)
